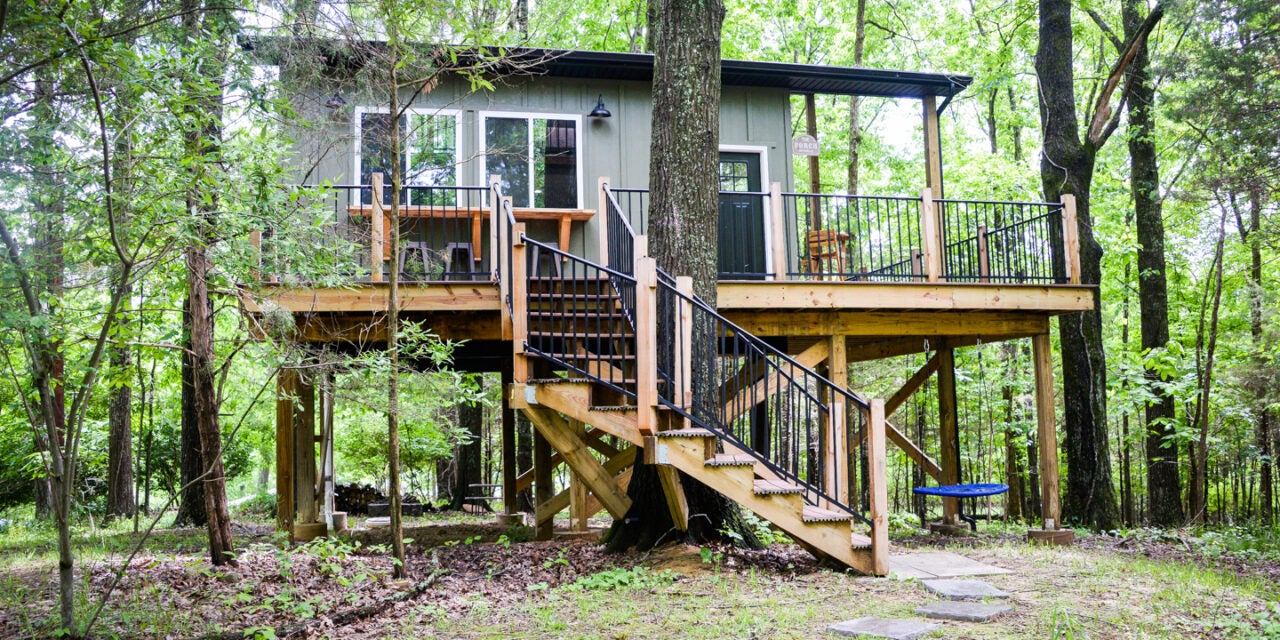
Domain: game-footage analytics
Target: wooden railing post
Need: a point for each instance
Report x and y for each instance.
(1070, 238)
(684, 364)
(602, 219)
(505, 283)
(646, 345)
(495, 218)
(255, 256)
(878, 489)
(1046, 430)
(778, 232)
(519, 304)
(930, 236)
(640, 250)
(984, 255)
(376, 231)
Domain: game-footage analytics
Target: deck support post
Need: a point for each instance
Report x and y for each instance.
(602, 219)
(646, 345)
(1070, 238)
(777, 232)
(932, 145)
(1050, 508)
(327, 471)
(510, 468)
(286, 392)
(519, 304)
(930, 237)
(878, 489)
(376, 231)
(948, 430)
(842, 464)
(543, 490)
(577, 487)
(304, 455)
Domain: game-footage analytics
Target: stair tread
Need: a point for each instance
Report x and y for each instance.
(775, 487)
(811, 513)
(686, 433)
(730, 460)
(587, 356)
(558, 381)
(616, 408)
(860, 541)
(612, 314)
(582, 334)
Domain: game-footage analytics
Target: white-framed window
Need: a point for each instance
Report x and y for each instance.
(538, 157)
(428, 151)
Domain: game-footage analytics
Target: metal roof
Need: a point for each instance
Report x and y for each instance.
(605, 65)
(797, 78)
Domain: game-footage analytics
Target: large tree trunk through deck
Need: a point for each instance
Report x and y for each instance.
(683, 213)
(1066, 166)
(1153, 295)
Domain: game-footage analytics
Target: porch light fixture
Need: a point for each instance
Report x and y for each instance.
(336, 102)
(599, 111)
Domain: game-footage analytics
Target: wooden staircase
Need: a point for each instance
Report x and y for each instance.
(581, 341)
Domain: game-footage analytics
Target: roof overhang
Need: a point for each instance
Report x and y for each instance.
(606, 65)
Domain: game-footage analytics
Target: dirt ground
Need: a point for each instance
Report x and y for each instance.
(477, 582)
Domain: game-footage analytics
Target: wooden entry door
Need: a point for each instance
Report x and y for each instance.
(741, 241)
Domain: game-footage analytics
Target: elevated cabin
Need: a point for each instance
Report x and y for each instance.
(522, 221)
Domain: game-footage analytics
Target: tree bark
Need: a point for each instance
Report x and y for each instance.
(855, 102)
(203, 141)
(191, 508)
(1153, 295)
(1066, 166)
(467, 456)
(683, 213)
(120, 497)
(1263, 435)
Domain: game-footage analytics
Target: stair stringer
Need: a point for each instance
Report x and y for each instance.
(834, 539)
(689, 454)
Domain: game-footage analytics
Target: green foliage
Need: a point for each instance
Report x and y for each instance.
(619, 579)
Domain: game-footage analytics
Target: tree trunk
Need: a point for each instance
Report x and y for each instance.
(1012, 438)
(683, 213)
(191, 508)
(1263, 437)
(400, 570)
(1153, 295)
(203, 141)
(855, 102)
(467, 456)
(1199, 485)
(1066, 166)
(524, 459)
(120, 499)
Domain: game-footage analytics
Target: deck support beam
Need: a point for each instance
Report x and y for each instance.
(286, 391)
(577, 486)
(912, 385)
(948, 430)
(558, 433)
(1050, 507)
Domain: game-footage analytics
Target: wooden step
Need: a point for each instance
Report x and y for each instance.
(686, 433)
(775, 488)
(860, 542)
(615, 408)
(580, 335)
(590, 356)
(559, 380)
(730, 460)
(613, 315)
(816, 514)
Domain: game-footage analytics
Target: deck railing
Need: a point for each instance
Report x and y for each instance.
(862, 238)
(441, 234)
(833, 237)
(1005, 242)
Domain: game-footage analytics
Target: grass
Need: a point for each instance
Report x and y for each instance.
(1067, 593)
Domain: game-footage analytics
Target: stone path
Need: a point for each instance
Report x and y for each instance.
(963, 599)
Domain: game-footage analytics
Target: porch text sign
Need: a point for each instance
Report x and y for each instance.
(805, 145)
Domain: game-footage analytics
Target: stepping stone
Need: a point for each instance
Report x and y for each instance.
(963, 611)
(882, 628)
(938, 564)
(963, 589)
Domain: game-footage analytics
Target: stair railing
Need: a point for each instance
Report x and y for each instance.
(795, 422)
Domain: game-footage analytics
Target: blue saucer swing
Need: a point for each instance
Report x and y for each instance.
(964, 491)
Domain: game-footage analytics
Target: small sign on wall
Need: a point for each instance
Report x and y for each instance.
(805, 145)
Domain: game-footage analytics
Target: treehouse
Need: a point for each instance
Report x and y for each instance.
(522, 218)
